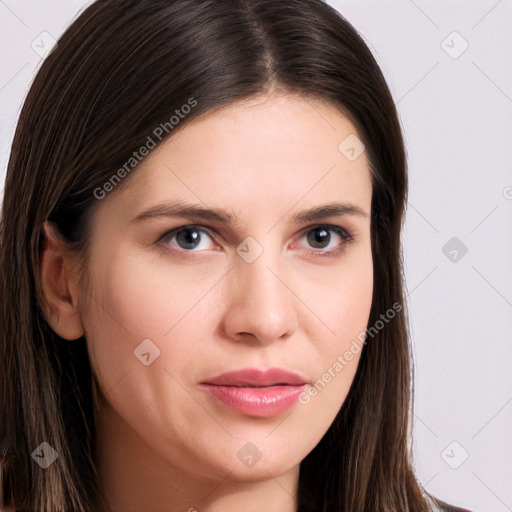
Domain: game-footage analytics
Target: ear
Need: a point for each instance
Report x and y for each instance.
(59, 286)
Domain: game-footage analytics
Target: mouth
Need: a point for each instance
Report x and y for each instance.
(255, 392)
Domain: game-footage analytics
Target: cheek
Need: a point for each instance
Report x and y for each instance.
(344, 310)
(134, 301)
(144, 313)
(341, 298)
(137, 299)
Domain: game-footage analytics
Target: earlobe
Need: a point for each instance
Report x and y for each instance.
(58, 286)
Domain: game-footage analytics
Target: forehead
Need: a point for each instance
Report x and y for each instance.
(256, 154)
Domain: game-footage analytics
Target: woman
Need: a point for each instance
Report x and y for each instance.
(202, 302)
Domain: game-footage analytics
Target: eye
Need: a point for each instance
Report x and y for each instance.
(325, 240)
(188, 238)
(330, 237)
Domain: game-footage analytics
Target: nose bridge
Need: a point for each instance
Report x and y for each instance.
(261, 277)
(261, 303)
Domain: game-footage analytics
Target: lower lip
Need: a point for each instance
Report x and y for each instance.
(262, 402)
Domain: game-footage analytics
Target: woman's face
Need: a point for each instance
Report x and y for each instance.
(273, 287)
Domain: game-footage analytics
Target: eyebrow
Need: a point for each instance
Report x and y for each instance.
(222, 216)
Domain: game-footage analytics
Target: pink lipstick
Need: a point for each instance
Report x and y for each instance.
(255, 392)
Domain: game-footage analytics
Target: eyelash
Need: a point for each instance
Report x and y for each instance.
(347, 238)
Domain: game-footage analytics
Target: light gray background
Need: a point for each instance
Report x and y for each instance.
(456, 113)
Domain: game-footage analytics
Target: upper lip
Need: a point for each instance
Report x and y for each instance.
(256, 377)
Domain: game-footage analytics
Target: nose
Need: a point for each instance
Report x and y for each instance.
(260, 306)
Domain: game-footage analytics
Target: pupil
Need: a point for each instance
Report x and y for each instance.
(318, 236)
(188, 236)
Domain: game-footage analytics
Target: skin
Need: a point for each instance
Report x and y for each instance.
(163, 443)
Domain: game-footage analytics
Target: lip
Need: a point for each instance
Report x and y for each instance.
(256, 392)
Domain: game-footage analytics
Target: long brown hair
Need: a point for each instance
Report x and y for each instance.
(120, 70)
